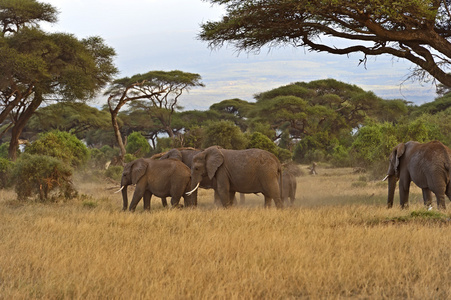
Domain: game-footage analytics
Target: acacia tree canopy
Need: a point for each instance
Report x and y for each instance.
(36, 66)
(160, 90)
(416, 30)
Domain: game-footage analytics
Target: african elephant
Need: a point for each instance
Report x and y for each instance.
(186, 155)
(245, 171)
(289, 186)
(428, 165)
(162, 178)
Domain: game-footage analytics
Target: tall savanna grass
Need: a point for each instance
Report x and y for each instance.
(338, 241)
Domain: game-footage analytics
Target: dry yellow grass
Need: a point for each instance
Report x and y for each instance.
(338, 241)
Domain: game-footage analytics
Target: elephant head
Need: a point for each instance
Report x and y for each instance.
(173, 153)
(393, 171)
(205, 163)
(132, 173)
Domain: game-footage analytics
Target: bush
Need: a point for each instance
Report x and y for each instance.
(137, 144)
(4, 150)
(261, 141)
(114, 172)
(40, 175)
(61, 145)
(284, 155)
(5, 170)
(224, 134)
(100, 157)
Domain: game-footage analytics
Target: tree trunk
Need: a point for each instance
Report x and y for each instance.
(118, 135)
(21, 123)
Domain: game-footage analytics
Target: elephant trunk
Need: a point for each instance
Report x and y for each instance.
(124, 197)
(391, 190)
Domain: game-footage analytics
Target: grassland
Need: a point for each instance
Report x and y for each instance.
(337, 242)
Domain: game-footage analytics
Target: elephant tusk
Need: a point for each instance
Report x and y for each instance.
(385, 178)
(119, 189)
(190, 192)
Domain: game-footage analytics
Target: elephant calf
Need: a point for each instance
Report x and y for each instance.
(162, 178)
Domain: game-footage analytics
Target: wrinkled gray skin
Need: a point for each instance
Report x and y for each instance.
(244, 171)
(427, 165)
(289, 186)
(165, 178)
(186, 156)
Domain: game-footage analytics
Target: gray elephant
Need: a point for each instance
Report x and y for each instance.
(289, 184)
(244, 171)
(428, 165)
(162, 178)
(186, 155)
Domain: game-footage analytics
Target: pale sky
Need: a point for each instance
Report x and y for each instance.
(162, 35)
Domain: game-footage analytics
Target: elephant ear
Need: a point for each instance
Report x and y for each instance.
(400, 149)
(138, 170)
(213, 161)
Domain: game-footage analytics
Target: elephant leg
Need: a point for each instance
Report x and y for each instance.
(137, 195)
(193, 198)
(440, 201)
(404, 189)
(273, 191)
(164, 202)
(242, 198)
(267, 202)
(224, 196)
(427, 197)
(175, 200)
(217, 199)
(146, 199)
(232, 198)
(292, 197)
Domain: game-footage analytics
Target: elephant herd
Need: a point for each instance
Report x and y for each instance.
(180, 172)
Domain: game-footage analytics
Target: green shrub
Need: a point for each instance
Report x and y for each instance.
(4, 150)
(39, 175)
(100, 157)
(114, 172)
(62, 145)
(5, 172)
(137, 144)
(224, 134)
(129, 157)
(284, 155)
(261, 141)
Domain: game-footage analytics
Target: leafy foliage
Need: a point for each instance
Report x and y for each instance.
(137, 144)
(5, 170)
(100, 157)
(418, 31)
(79, 118)
(224, 134)
(40, 175)
(61, 145)
(37, 66)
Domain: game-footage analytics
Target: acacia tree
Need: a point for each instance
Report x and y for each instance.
(416, 30)
(305, 109)
(157, 92)
(37, 66)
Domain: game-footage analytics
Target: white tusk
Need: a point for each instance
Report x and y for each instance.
(119, 189)
(385, 178)
(190, 192)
